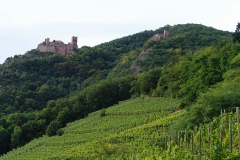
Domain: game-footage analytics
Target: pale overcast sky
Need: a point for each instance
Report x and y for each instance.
(26, 23)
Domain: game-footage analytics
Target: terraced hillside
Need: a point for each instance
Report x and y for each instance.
(116, 133)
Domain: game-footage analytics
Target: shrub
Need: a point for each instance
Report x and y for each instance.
(103, 112)
(52, 128)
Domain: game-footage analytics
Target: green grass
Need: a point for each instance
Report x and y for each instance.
(132, 127)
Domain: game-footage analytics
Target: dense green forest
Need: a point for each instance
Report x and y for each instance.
(41, 92)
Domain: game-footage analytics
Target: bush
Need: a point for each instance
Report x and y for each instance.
(224, 95)
(60, 132)
(52, 128)
(103, 112)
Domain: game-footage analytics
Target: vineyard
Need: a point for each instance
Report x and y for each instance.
(216, 140)
(130, 128)
(137, 129)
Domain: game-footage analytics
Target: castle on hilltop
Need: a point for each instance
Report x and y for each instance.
(159, 37)
(58, 46)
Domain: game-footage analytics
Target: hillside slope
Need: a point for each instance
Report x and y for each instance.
(183, 39)
(133, 126)
(143, 128)
(41, 92)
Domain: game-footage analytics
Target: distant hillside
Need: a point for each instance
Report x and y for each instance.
(37, 73)
(41, 92)
(184, 39)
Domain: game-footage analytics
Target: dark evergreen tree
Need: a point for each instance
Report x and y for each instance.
(236, 35)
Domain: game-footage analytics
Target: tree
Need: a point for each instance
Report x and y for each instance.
(16, 137)
(52, 128)
(3, 140)
(236, 35)
(148, 80)
(17, 119)
(64, 116)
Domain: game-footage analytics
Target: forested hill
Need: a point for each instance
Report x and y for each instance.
(41, 92)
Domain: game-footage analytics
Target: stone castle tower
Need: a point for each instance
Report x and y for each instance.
(166, 34)
(58, 46)
(74, 43)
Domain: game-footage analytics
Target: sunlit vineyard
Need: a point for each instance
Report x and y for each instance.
(139, 128)
(130, 128)
(216, 140)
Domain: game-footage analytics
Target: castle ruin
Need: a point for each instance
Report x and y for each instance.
(58, 46)
(159, 37)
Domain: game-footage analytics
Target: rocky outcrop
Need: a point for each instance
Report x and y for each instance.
(135, 68)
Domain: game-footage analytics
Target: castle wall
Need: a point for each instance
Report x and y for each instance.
(50, 49)
(58, 46)
(159, 37)
(44, 48)
(60, 49)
